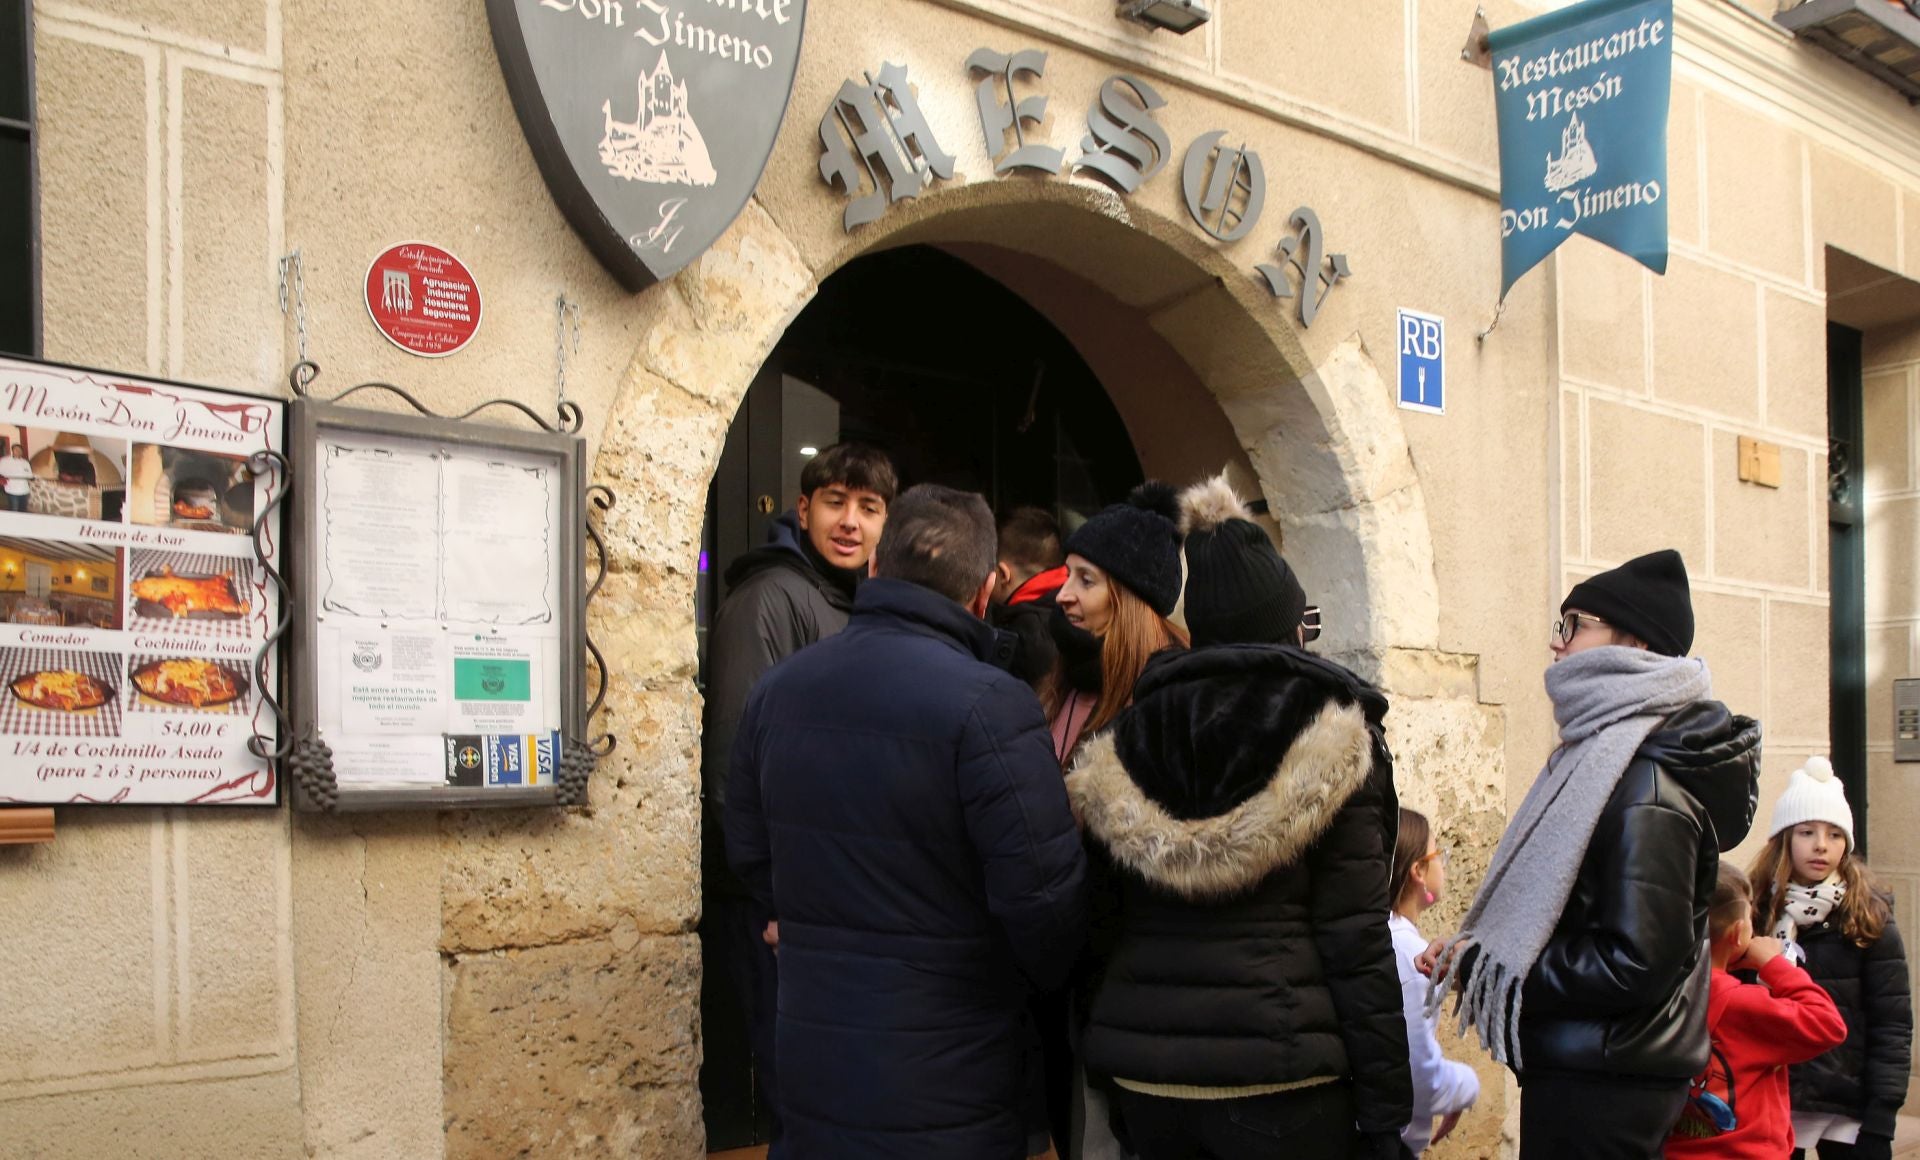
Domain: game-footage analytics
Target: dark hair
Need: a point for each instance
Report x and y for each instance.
(851, 465)
(939, 538)
(1030, 537)
(1732, 901)
(1410, 847)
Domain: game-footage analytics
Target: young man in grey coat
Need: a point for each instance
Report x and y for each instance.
(792, 591)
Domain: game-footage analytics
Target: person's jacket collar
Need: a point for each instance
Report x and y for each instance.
(925, 611)
(787, 547)
(1230, 764)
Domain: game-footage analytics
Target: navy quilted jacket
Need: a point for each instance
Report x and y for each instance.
(894, 800)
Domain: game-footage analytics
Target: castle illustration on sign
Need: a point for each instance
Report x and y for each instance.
(1576, 162)
(661, 144)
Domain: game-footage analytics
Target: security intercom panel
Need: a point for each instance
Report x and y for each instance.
(1906, 719)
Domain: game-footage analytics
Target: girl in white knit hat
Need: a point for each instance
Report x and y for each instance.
(1816, 895)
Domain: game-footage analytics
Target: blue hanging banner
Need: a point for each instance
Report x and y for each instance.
(1581, 97)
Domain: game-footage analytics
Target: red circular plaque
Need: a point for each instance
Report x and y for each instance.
(423, 299)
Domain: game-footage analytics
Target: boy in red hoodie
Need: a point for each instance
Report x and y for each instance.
(1738, 1108)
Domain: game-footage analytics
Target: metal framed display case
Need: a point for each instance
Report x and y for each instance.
(439, 652)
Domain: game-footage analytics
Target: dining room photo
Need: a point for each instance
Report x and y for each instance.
(56, 583)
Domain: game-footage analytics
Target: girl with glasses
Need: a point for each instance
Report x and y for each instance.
(1581, 963)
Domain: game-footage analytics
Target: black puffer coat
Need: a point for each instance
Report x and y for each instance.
(1244, 806)
(1621, 986)
(1864, 1078)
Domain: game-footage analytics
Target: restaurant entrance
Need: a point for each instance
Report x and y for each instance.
(962, 383)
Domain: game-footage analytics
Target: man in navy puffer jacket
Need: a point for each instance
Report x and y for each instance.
(895, 803)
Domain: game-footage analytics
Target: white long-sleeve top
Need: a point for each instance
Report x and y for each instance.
(1441, 1086)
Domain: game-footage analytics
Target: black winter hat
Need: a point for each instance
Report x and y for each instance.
(1137, 544)
(1646, 596)
(1239, 588)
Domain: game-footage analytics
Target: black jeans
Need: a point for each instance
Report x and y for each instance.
(1050, 1070)
(1312, 1123)
(1597, 1117)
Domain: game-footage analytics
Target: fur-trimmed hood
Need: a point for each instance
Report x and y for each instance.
(1231, 762)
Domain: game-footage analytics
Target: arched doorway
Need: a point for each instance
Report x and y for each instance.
(1201, 365)
(921, 354)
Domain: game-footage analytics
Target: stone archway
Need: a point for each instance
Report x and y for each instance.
(1322, 441)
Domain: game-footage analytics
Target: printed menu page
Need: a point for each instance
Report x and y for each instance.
(439, 633)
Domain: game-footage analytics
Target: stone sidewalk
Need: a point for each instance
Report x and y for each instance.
(1906, 1136)
(1906, 1142)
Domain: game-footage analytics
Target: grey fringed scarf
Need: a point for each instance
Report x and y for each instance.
(1606, 701)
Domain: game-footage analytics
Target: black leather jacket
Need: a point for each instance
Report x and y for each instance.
(1621, 987)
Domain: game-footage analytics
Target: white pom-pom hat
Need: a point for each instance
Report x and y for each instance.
(1813, 795)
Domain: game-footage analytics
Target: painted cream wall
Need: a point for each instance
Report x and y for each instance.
(260, 984)
(1891, 389)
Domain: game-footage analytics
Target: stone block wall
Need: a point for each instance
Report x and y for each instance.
(149, 1001)
(1660, 377)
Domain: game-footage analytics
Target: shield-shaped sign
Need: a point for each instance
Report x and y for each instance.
(651, 119)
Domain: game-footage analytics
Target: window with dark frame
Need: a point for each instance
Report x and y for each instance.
(19, 182)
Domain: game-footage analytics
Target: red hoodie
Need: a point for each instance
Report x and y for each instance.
(1757, 1031)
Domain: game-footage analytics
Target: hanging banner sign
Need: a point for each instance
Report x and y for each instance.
(1581, 99)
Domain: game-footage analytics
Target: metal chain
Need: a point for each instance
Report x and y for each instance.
(293, 285)
(566, 330)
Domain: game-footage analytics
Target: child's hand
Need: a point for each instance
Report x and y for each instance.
(1762, 950)
(1429, 960)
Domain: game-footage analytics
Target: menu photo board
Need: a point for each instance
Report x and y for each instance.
(134, 596)
(437, 650)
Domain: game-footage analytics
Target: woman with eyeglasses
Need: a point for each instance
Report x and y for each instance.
(1442, 1087)
(1581, 964)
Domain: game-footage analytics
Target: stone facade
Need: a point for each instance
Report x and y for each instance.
(185, 983)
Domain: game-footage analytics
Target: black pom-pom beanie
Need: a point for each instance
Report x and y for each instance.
(1239, 588)
(1137, 543)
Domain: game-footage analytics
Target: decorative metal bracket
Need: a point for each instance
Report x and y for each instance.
(306, 371)
(1475, 51)
(311, 764)
(271, 464)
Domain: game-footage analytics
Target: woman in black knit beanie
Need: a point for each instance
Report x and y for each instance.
(1123, 580)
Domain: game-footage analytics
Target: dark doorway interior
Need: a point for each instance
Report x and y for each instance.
(1847, 568)
(962, 383)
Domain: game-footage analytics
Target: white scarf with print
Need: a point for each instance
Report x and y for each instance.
(1807, 906)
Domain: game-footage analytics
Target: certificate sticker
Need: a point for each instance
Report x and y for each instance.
(492, 679)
